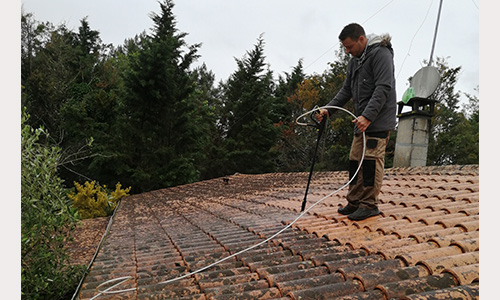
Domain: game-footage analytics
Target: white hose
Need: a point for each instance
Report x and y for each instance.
(126, 278)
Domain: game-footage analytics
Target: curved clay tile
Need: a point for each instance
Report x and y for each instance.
(468, 245)
(463, 292)
(327, 291)
(273, 279)
(309, 282)
(333, 266)
(444, 241)
(469, 226)
(394, 252)
(426, 235)
(438, 264)
(400, 289)
(371, 280)
(413, 257)
(395, 242)
(458, 218)
(465, 274)
(350, 272)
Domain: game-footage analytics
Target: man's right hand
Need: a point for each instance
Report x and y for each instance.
(321, 114)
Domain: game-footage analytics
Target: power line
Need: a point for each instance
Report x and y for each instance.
(327, 51)
(376, 13)
(473, 2)
(411, 42)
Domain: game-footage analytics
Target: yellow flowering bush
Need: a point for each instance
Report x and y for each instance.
(92, 201)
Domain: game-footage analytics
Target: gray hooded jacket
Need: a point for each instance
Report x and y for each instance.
(371, 84)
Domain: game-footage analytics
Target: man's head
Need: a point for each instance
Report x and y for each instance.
(354, 39)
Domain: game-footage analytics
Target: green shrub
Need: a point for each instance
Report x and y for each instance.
(92, 201)
(46, 221)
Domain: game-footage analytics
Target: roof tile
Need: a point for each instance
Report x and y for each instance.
(309, 282)
(327, 291)
(466, 274)
(266, 293)
(371, 280)
(424, 244)
(399, 289)
(438, 264)
(274, 279)
(464, 292)
(413, 257)
(350, 272)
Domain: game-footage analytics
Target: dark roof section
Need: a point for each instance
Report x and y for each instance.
(424, 245)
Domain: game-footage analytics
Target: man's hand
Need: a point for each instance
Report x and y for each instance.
(322, 112)
(362, 123)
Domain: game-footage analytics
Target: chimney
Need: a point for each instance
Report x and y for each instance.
(412, 139)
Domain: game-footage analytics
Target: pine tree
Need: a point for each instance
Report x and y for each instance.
(250, 132)
(161, 141)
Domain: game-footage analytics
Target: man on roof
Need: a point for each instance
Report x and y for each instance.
(371, 85)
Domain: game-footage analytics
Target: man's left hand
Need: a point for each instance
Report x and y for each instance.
(362, 123)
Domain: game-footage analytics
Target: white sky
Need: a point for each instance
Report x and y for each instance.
(292, 30)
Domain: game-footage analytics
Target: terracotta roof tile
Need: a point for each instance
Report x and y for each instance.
(424, 245)
(328, 291)
(465, 292)
(466, 274)
(438, 264)
(399, 289)
(371, 280)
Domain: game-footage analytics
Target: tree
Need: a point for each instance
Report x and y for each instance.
(454, 137)
(208, 100)
(290, 154)
(161, 142)
(69, 87)
(46, 73)
(249, 104)
(298, 142)
(89, 112)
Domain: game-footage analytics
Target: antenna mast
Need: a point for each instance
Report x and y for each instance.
(435, 32)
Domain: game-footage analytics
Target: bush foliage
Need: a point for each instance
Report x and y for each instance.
(46, 221)
(92, 201)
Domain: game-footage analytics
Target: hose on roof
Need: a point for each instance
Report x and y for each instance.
(121, 280)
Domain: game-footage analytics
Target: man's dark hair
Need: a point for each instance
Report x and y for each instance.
(353, 31)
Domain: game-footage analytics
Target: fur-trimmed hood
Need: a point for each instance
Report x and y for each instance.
(383, 40)
(374, 41)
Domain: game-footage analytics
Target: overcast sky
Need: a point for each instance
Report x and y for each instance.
(291, 29)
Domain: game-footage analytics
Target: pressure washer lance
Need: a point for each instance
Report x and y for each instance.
(320, 127)
(121, 280)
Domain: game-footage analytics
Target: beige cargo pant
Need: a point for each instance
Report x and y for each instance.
(365, 188)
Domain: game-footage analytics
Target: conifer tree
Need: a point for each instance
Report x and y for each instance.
(161, 142)
(249, 102)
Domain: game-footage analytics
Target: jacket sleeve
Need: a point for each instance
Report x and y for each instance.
(344, 94)
(383, 72)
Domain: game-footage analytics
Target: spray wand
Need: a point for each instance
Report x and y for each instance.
(320, 127)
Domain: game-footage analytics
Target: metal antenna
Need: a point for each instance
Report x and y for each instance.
(435, 32)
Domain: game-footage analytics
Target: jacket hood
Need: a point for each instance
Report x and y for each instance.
(383, 40)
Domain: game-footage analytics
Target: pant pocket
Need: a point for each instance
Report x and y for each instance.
(353, 166)
(371, 143)
(369, 172)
